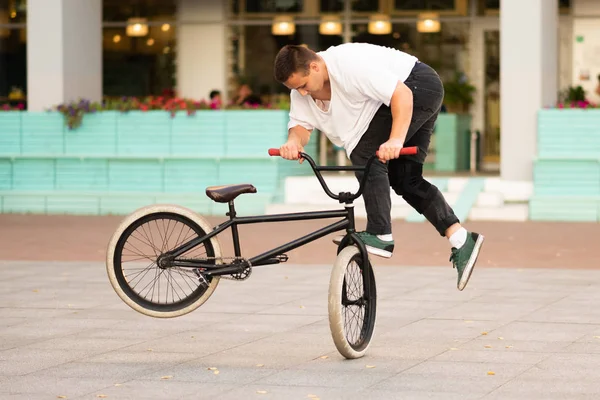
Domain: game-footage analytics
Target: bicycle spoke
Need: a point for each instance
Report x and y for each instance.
(147, 269)
(146, 242)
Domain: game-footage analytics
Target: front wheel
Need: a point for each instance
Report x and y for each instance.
(352, 304)
(137, 245)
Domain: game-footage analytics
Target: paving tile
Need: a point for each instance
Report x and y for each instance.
(64, 332)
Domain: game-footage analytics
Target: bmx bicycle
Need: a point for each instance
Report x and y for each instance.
(165, 260)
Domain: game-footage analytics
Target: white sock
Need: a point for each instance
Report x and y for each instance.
(458, 238)
(386, 238)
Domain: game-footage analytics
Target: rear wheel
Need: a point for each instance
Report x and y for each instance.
(134, 255)
(352, 304)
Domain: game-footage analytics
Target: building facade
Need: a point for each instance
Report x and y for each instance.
(519, 55)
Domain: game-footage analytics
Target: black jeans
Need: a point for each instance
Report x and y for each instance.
(405, 174)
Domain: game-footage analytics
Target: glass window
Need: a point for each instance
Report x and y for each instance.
(13, 11)
(138, 66)
(332, 5)
(271, 6)
(365, 5)
(13, 66)
(444, 51)
(261, 47)
(357, 5)
(235, 6)
(157, 10)
(495, 4)
(418, 5)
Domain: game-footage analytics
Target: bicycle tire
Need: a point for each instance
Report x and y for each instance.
(123, 288)
(338, 295)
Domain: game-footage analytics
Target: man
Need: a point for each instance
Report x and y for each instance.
(370, 98)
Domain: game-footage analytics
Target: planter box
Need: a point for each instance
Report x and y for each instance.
(75, 174)
(566, 179)
(452, 142)
(200, 135)
(10, 132)
(143, 133)
(190, 175)
(96, 135)
(115, 162)
(560, 177)
(42, 133)
(573, 133)
(251, 133)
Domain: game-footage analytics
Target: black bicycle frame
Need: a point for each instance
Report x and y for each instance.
(276, 255)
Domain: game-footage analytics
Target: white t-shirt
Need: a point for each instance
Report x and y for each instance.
(362, 77)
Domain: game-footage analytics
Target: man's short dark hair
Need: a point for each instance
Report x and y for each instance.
(214, 93)
(292, 59)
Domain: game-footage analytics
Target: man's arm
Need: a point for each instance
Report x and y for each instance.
(401, 106)
(298, 137)
(299, 134)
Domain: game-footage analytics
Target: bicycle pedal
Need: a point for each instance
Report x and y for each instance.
(200, 276)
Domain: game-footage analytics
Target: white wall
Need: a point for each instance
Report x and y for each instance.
(201, 48)
(64, 52)
(82, 51)
(528, 79)
(585, 8)
(45, 83)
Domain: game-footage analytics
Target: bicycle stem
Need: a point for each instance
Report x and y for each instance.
(343, 199)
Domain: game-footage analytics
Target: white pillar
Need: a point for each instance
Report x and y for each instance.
(201, 48)
(529, 79)
(64, 52)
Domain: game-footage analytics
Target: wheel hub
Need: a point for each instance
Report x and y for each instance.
(164, 261)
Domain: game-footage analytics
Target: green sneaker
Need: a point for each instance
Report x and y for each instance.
(374, 245)
(464, 259)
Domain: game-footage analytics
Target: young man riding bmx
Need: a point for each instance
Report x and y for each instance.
(368, 99)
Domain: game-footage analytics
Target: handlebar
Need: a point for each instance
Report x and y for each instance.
(344, 197)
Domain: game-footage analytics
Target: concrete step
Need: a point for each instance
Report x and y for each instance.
(489, 200)
(508, 212)
(307, 190)
(512, 191)
(323, 199)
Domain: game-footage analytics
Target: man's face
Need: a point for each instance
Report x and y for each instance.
(306, 84)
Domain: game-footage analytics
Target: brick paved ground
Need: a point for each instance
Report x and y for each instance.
(527, 330)
(508, 244)
(512, 334)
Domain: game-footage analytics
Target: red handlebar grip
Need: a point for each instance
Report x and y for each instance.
(274, 152)
(407, 151)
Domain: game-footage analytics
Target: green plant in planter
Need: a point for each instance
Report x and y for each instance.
(458, 93)
(75, 111)
(572, 94)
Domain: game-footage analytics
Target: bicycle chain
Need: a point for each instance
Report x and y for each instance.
(240, 276)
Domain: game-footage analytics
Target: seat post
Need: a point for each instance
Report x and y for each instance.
(231, 214)
(234, 230)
